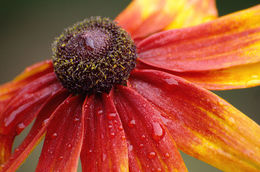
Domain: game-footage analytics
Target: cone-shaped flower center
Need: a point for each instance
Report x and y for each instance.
(93, 55)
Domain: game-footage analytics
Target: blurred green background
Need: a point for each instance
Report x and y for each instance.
(28, 28)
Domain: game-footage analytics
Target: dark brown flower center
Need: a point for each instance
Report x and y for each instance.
(93, 55)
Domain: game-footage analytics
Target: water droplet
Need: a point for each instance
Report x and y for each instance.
(50, 151)
(232, 120)
(143, 136)
(120, 128)
(45, 122)
(255, 76)
(69, 145)
(159, 169)
(131, 123)
(112, 134)
(123, 137)
(171, 81)
(130, 147)
(167, 155)
(20, 127)
(100, 112)
(61, 157)
(76, 119)
(2, 165)
(54, 135)
(158, 132)
(110, 126)
(90, 151)
(16, 150)
(141, 145)
(104, 157)
(111, 116)
(151, 155)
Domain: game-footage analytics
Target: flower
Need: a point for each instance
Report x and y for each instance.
(163, 107)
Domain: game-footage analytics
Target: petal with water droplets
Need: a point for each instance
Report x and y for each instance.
(150, 144)
(64, 137)
(104, 147)
(202, 124)
(36, 133)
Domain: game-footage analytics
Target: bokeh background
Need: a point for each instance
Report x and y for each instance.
(28, 27)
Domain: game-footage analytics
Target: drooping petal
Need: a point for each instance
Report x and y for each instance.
(22, 109)
(144, 17)
(229, 41)
(28, 75)
(151, 146)
(202, 124)
(64, 138)
(6, 143)
(104, 147)
(43, 119)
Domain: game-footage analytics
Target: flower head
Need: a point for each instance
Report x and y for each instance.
(127, 95)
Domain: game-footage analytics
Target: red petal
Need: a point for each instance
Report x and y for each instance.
(22, 108)
(144, 17)
(43, 119)
(29, 74)
(104, 147)
(202, 124)
(228, 41)
(64, 138)
(6, 142)
(151, 146)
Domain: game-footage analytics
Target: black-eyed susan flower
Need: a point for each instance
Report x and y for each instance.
(125, 95)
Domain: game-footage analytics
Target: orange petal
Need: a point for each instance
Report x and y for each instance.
(104, 147)
(202, 124)
(22, 109)
(29, 74)
(64, 137)
(144, 17)
(229, 41)
(235, 77)
(37, 132)
(151, 147)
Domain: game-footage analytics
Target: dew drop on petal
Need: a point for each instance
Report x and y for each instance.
(54, 135)
(141, 145)
(112, 134)
(45, 122)
(20, 127)
(100, 112)
(171, 81)
(167, 155)
(104, 157)
(151, 155)
(130, 147)
(123, 137)
(16, 150)
(143, 136)
(61, 157)
(110, 126)
(120, 128)
(111, 116)
(131, 123)
(76, 119)
(90, 151)
(159, 169)
(50, 151)
(69, 145)
(158, 132)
